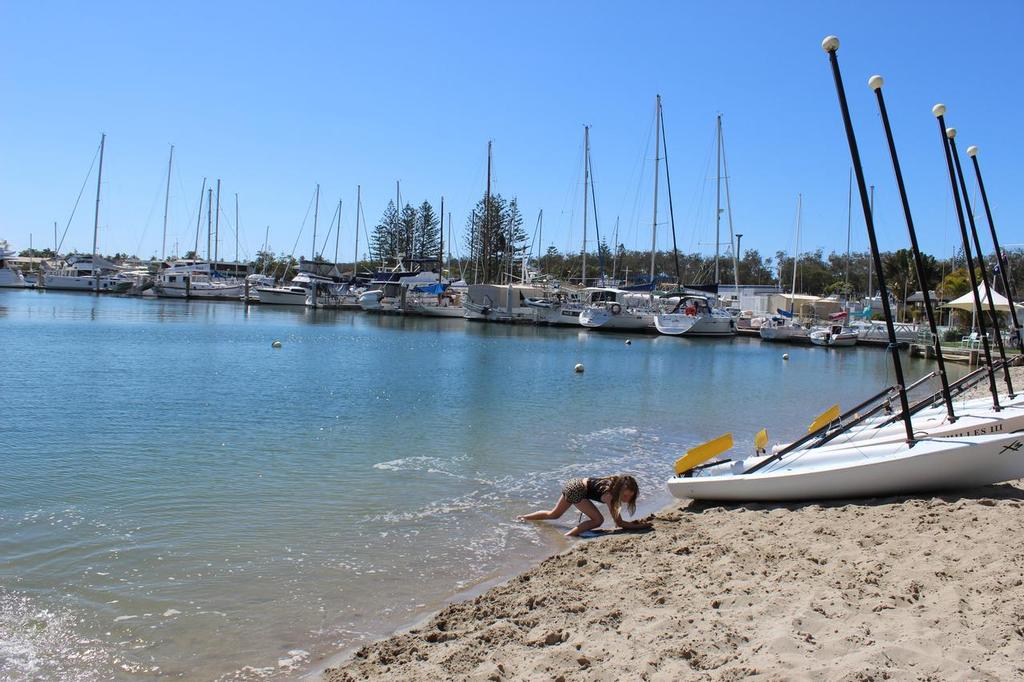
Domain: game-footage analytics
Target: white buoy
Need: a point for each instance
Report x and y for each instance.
(629, 342)
(275, 344)
(579, 368)
(785, 356)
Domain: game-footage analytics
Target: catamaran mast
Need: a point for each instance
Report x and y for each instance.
(875, 83)
(586, 187)
(939, 111)
(972, 152)
(167, 199)
(657, 160)
(96, 219)
(209, 224)
(951, 135)
(830, 45)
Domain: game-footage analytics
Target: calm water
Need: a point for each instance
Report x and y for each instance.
(179, 498)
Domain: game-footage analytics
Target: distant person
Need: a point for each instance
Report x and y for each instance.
(612, 491)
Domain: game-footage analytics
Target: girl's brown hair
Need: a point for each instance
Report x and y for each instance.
(616, 485)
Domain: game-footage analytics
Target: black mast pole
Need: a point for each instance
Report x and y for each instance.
(939, 111)
(951, 136)
(875, 83)
(671, 212)
(831, 45)
(972, 152)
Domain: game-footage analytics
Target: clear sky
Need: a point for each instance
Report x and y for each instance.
(275, 97)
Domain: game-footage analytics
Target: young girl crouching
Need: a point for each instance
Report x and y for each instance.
(612, 491)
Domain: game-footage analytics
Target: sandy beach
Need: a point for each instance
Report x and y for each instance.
(927, 587)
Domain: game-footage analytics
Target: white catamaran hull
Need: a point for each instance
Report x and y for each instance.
(872, 470)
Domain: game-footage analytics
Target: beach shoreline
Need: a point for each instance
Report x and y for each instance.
(849, 589)
(922, 586)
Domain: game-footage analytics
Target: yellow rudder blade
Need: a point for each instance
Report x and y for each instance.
(702, 453)
(761, 440)
(826, 417)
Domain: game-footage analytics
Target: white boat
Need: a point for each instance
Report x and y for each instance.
(196, 279)
(284, 295)
(10, 277)
(501, 303)
(862, 470)
(872, 331)
(778, 328)
(833, 336)
(83, 272)
(693, 315)
(560, 308)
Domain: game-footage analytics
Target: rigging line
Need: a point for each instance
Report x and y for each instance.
(635, 215)
(149, 217)
(291, 256)
(75, 207)
(329, 230)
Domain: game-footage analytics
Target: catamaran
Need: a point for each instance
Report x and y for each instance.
(897, 455)
(693, 315)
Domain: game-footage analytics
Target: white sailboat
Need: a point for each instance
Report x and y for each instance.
(10, 277)
(693, 315)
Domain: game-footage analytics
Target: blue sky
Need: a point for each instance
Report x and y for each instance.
(275, 97)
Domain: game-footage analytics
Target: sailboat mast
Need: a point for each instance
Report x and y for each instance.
(718, 190)
(209, 223)
(359, 209)
(236, 227)
(485, 241)
(734, 241)
(657, 159)
(440, 251)
(167, 200)
(337, 234)
(671, 208)
(615, 250)
(796, 252)
(199, 218)
(216, 229)
(96, 218)
(316, 215)
(586, 197)
(849, 231)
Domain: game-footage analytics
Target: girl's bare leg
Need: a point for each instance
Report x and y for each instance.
(560, 508)
(594, 518)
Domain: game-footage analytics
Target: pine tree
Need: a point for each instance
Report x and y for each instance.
(384, 242)
(494, 236)
(407, 232)
(427, 233)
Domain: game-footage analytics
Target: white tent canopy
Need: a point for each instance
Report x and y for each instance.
(966, 302)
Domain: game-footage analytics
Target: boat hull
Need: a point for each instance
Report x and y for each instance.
(930, 465)
(276, 296)
(681, 324)
(604, 319)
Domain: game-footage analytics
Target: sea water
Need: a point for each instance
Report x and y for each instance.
(179, 498)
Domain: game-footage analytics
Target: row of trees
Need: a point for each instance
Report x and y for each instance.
(407, 233)
(816, 273)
